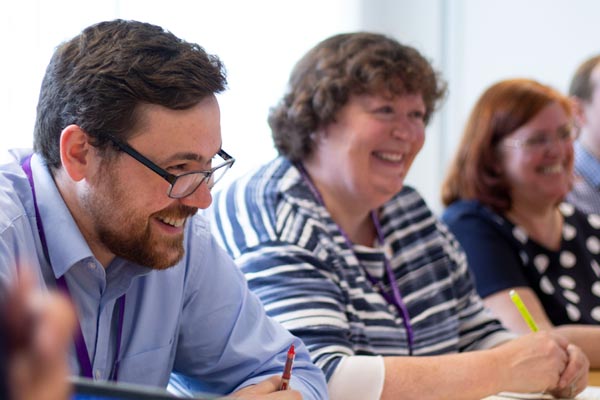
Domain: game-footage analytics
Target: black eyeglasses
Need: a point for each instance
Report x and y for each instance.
(185, 184)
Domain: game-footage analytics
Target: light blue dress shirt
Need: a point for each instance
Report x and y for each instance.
(197, 318)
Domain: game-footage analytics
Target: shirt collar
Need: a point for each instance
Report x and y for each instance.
(66, 244)
(587, 165)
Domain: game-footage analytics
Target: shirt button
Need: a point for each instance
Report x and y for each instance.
(98, 374)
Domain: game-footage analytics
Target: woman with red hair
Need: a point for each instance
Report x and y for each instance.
(504, 195)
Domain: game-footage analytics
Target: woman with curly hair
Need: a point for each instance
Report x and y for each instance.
(352, 261)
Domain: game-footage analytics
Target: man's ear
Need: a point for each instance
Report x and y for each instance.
(75, 152)
(578, 106)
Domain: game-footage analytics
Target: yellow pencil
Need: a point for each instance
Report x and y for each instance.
(523, 310)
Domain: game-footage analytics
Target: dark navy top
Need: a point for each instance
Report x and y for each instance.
(502, 256)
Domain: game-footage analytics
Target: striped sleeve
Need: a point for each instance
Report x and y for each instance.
(298, 292)
(478, 328)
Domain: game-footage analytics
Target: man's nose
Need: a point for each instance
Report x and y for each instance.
(200, 198)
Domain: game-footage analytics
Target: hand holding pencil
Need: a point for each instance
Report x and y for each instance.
(276, 387)
(573, 375)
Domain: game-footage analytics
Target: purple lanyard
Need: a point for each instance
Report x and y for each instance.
(395, 298)
(82, 354)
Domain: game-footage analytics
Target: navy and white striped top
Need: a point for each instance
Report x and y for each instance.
(298, 262)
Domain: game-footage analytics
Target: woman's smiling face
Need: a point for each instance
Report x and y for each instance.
(537, 158)
(369, 148)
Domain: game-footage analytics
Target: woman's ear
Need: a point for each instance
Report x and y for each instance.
(75, 150)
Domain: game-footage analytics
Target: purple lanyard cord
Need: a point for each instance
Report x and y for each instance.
(82, 354)
(395, 298)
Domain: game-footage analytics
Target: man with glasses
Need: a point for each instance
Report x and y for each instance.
(127, 147)
(585, 91)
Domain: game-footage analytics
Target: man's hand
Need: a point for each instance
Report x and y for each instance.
(267, 389)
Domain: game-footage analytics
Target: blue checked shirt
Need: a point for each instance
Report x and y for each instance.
(585, 194)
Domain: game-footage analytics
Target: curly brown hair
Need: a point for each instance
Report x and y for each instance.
(343, 65)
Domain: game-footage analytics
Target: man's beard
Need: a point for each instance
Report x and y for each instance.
(134, 241)
(129, 235)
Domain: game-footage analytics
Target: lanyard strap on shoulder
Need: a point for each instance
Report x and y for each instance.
(82, 354)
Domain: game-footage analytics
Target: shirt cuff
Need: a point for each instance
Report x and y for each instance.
(357, 378)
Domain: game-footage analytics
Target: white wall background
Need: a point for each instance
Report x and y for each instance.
(258, 42)
(473, 42)
(492, 40)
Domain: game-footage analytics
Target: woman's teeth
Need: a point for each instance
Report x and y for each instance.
(393, 157)
(552, 169)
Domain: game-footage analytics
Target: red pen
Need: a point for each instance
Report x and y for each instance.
(287, 370)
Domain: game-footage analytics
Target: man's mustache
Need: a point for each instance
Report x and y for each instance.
(176, 212)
